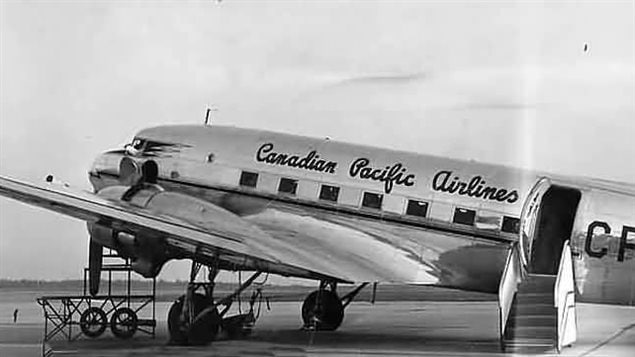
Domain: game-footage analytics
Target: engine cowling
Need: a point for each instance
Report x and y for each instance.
(147, 253)
(147, 248)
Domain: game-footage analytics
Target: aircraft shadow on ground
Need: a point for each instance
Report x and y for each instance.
(282, 342)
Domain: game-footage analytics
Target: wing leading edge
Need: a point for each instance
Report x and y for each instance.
(272, 237)
(236, 242)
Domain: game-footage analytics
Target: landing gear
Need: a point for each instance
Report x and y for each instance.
(197, 332)
(195, 318)
(323, 309)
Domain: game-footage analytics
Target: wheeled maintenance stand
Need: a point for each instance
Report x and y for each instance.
(119, 308)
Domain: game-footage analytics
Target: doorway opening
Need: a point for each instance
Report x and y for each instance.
(558, 208)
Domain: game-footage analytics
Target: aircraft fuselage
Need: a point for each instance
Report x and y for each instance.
(395, 216)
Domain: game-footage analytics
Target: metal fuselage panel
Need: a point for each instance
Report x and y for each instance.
(603, 246)
(388, 244)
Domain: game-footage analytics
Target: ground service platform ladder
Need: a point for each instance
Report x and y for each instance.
(125, 311)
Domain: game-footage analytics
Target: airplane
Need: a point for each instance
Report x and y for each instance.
(238, 199)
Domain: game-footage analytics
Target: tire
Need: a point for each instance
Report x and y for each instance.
(177, 334)
(201, 332)
(124, 323)
(93, 322)
(323, 311)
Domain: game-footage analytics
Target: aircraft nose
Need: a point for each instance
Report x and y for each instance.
(106, 163)
(105, 168)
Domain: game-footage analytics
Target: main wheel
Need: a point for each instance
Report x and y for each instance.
(123, 323)
(323, 311)
(93, 322)
(202, 331)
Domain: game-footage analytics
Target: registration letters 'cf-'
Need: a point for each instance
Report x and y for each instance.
(599, 253)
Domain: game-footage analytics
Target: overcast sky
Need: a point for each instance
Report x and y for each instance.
(509, 84)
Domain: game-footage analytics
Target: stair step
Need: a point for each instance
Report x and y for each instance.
(529, 336)
(516, 325)
(531, 276)
(533, 332)
(535, 289)
(539, 282)
(524, 347)
(528, 349)
(528, 341)
(536, 320)
(534, 298)
(533, 310)
(541, 304)
(536, 286)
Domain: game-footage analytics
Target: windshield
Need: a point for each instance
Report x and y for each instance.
(137, 143)
(135, 147)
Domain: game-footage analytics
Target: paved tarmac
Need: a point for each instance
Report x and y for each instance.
(383, 329)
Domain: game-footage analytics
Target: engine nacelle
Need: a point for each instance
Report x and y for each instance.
(146, 253)
(147, 248)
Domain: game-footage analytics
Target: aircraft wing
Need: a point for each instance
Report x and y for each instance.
(287, 242)
(232, 239)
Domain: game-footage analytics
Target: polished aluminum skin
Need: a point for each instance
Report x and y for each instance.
(203, 212)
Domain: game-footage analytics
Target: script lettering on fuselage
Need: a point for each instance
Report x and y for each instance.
(599, 253)
(474, 187)
(397, 174)
(310, 161)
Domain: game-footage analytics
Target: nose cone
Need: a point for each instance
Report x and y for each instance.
(105, 169)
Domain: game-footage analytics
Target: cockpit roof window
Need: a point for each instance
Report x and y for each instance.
(148, 147)
(135, 147)
(138, 143)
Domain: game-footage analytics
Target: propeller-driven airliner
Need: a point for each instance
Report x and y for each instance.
(256, 201)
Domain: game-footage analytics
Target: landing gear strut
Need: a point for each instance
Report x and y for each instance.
(195, 318)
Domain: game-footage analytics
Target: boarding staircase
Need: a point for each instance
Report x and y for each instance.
(537, 312)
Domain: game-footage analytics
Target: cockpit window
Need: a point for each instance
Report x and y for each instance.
(137, 144)
(151, 148)
(135, 147)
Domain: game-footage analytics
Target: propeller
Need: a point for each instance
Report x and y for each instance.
(95, 254)
(129, 172)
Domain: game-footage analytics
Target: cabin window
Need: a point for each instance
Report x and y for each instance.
(510, 224)
(288, 185)
(248, 179)
(464, 216)
(329, 193)
(417, 208)
(372, 200)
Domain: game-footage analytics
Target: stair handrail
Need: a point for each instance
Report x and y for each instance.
(564, 299)
(512, 276)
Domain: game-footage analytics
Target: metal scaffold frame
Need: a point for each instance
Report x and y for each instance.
(126, 312)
